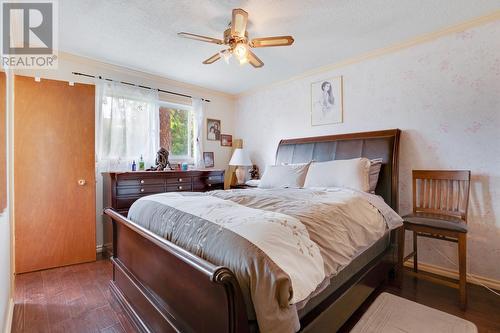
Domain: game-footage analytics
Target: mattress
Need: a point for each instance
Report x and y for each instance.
(348, 272)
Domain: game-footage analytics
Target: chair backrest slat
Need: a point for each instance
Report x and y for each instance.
(441, 192)
(438, 194)
(450, 195)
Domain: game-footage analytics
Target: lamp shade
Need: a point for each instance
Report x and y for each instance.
(240, 158)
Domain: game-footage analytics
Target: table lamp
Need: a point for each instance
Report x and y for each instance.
(241, 160)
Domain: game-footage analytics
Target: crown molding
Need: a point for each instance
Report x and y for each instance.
(188, 88)
(383, 51)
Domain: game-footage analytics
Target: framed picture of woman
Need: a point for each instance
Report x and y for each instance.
(326, 101)
(213, 129)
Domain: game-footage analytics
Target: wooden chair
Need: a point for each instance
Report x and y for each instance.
(440, 204)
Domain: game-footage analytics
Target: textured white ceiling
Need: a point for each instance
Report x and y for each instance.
(142, 33)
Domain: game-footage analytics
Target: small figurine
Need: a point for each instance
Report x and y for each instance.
(254, 172)
(161, 161)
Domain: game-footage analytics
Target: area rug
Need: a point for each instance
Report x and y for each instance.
(393, 314)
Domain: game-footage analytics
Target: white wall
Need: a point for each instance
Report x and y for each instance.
(6, 271)
(5, 268)
(221, 105)
(443, 94)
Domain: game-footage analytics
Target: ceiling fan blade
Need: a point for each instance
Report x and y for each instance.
(272, 41)
(212, 59)
(239, 22)
(254, 60)
(200, 38)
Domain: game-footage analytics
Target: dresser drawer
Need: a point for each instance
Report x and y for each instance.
(178, 180)
(179, 188)
(209, 179)
(202, 187)
(139, 181)
(139, 190)
(124, 203)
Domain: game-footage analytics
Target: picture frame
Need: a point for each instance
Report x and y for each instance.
(327, 101)
(226, 140)
(208, 159)
(213, 129)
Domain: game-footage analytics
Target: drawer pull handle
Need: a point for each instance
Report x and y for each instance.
(142, 181)
(180, 179)
(209, 185)
(180, 187)
(142, 190)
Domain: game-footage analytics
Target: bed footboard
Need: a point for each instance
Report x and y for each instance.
(164, 288)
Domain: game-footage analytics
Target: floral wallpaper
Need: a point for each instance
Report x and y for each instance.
(445, 97)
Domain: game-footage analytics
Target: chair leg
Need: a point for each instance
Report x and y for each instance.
(401, 255)
(462, 268)
(415, 259)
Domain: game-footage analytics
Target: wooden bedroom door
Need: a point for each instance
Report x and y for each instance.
(3, 144)
(54, 177)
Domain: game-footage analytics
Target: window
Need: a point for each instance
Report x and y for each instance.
(127, 126)
(177, 132)
(133, 122)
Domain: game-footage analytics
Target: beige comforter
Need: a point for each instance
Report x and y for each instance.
(283, 244)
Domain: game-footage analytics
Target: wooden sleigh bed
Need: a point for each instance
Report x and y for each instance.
(164, 288)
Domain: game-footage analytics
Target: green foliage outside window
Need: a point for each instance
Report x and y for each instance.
(179, 129)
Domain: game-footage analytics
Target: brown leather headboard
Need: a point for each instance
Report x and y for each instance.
(378, 144)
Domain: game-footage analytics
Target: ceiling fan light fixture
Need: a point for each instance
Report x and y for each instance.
(226, 55)
(241, 51)
(236, 38)
(243, 60)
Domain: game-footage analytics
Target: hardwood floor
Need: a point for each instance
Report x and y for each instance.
(483, 306)
(68, 299)
(77, 299)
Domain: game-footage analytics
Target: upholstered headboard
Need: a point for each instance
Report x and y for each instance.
(378, 144)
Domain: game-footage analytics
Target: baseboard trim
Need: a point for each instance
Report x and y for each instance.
(104, 247)
(450, 273)
(10, 315)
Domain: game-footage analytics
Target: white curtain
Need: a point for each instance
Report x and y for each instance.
(127, 126)
(199, 114)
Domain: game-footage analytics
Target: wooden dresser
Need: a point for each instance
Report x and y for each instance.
(121, 189)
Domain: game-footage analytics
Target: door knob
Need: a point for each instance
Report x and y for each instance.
(82, 182)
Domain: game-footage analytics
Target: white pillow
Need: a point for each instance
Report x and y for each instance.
(281, 176)
(252, 182)
(352, 173)
(375, 166)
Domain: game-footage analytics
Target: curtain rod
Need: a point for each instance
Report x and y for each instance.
(137, 85)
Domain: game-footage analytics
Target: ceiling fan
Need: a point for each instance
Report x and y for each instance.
(236, 37)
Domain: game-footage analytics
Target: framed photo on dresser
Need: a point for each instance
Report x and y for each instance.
(208, 159)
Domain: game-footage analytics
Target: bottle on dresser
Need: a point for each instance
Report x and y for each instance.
(141, 164)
